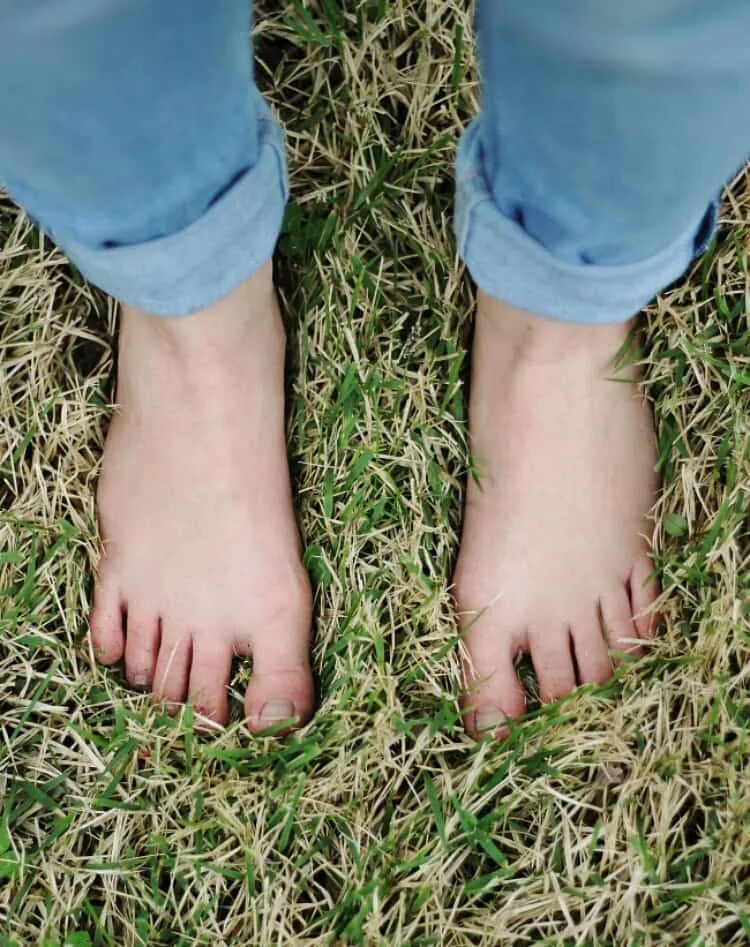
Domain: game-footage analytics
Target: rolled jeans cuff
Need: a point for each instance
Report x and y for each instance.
(183, 272)
(507, 263)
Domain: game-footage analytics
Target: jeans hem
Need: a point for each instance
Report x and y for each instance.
(188, 270)
(507, 263)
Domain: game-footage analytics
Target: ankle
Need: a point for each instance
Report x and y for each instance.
(522, 338)
(249, 313)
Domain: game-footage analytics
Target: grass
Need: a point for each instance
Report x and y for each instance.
(618, 817)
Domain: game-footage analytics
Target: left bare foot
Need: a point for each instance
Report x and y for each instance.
(202, 554)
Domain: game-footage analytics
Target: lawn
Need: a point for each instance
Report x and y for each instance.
(619, 816)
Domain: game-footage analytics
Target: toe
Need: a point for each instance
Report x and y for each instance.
(493, 691)
(172, 672)
(105, 623)
(619, 628)
(141, 647)
(281, 687)
(209, 676)
(644, 591)
(552, 656)
(590, 650)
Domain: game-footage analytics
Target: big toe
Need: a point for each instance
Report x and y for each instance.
(281, 688)
(493, 693)
(105, 623)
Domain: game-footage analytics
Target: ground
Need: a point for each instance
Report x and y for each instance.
(616, 817)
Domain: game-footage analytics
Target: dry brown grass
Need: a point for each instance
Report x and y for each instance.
(619, 817)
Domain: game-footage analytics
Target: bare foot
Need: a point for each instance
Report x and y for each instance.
(202, 555)
(553, 561)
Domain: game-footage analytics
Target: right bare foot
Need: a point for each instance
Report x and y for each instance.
(202, 554)
(553, 561)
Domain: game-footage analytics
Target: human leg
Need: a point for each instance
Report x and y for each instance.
(135, 137)
(586, 185)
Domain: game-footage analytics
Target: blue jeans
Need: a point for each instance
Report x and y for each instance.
(133, 134)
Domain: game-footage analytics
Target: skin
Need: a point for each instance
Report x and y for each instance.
(201, 556)
(552, 560)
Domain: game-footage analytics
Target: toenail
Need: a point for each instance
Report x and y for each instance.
(489, 718)
(276, 710)
(140, 680)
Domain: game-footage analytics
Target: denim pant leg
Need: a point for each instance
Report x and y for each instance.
(133, 134)
(587, 183)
